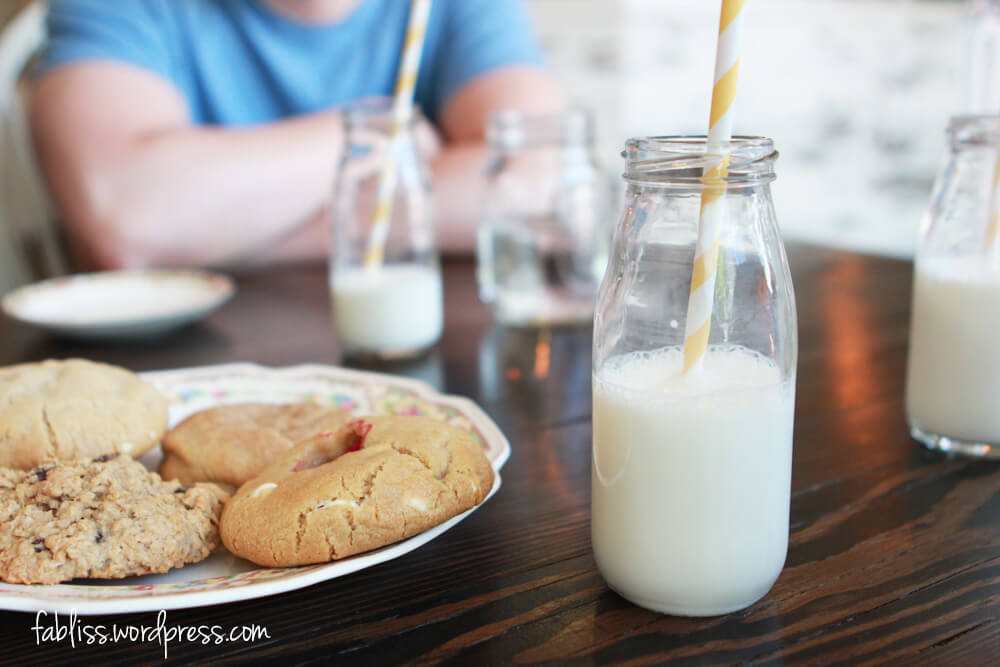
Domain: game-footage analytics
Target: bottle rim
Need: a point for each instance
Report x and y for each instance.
(680, 160)
(973, 130)
(509, 129)
(376, 112)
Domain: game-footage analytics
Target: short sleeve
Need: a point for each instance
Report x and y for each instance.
(476, 37)
(127, 31)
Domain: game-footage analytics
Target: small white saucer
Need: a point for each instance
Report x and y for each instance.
(118, 304)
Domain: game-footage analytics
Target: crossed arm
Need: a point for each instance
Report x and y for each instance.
(137, 184)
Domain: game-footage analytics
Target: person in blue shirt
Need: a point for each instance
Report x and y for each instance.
(203, 132)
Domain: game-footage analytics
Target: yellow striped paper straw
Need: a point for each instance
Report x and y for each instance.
(720, 131)
(402, 109)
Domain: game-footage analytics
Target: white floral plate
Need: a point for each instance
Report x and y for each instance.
(224, 577)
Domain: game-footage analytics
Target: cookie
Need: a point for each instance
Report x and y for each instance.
(101, 518)
(233, 443)
(75, 409)
(400, 476)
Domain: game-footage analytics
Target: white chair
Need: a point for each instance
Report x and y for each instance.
(30, 246)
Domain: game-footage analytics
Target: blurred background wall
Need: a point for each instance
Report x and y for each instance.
(856, 94)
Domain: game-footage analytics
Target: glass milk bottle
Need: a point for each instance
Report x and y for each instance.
(393, 310)
(691, 472)
(953, 370)
(542, 238)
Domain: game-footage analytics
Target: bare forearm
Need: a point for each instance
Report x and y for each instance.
(457, 176)
(139, 185)
(207, 196)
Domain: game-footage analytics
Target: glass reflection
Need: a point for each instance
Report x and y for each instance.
(537, 374)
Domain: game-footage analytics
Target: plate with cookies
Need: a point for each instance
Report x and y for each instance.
(181, 488)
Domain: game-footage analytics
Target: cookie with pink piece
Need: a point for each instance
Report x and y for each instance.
(376, 481)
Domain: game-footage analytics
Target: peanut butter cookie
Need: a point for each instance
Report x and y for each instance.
(398, 477)
(75, 409)
(230, 444)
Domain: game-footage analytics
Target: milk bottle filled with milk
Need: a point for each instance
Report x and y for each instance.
(953, 370)
(392, 308)
(691, 471)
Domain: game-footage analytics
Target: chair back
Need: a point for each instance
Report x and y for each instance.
(30, 246)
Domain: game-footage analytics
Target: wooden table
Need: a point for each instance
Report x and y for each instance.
(894, 552)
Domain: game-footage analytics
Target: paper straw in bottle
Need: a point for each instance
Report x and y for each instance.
(402, 110)
(720, 130)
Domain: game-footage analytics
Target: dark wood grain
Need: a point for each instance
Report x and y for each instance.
(894, 553)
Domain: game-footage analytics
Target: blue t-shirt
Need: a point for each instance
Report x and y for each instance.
(239, 62)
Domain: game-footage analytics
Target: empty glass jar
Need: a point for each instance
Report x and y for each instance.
(543, 235)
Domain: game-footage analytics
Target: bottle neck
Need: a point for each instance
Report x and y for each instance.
(973, 131)
(686, 162)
